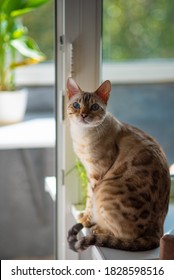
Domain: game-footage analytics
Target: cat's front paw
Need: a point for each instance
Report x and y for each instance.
(85, 219)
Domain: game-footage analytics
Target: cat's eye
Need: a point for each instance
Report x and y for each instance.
(76, 105)
(95, 107)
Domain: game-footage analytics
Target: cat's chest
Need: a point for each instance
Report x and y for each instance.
(96, 153)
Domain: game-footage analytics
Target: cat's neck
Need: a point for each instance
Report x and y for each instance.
(109, 126)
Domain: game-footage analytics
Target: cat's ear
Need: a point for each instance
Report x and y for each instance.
(104, 91)
(72, 88)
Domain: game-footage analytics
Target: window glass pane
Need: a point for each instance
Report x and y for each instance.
(141, 30)
(137, 29)
(40, 24)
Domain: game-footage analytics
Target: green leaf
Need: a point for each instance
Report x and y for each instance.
(19, 32)
(1, 4)
(15, 29)
(20, 12)
(16, 8)
(8, 6)
(36, 3)
(28, 47)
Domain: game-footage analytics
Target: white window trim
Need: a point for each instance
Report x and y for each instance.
(74, 28)
(140, 71)
(36, 75)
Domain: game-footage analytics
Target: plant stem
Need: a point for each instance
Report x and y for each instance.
(2, 66)
(2, 55)
(11, 72)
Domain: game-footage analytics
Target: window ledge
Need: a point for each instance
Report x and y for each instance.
(140, 71)
(36, 75)
(33, 133)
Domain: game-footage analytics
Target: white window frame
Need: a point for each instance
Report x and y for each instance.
(134, 72)
(78, 43)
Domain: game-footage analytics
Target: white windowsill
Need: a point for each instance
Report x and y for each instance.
(50, 187)
(42, 74)
(34, 133)
(140, 71)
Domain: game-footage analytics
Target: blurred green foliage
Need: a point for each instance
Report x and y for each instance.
(132, 29)
(137, 29)
(82, 175)
(83, 180)
(172, 189)
(41, 25)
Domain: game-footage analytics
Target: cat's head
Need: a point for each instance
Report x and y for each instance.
(87, 108)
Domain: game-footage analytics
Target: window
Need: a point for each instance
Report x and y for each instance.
(138, 29)
(137, 36)
(138, 58)
(40, 23)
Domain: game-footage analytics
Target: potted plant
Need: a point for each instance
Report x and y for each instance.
(16, 49)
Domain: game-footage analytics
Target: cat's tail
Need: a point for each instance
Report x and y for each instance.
(81, 244)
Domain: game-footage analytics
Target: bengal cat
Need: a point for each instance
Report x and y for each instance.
(129, 181)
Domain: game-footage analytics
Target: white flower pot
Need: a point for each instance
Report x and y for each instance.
(12, 106)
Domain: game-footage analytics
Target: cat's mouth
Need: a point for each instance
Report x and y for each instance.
(89, 123)
(85, 121)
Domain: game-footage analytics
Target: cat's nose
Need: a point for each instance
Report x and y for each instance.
(83, 115)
